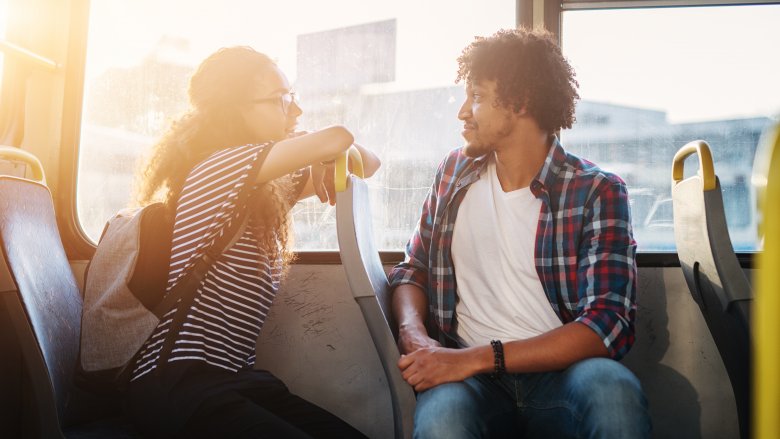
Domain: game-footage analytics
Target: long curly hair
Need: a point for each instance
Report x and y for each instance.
(216, 92)
(529, 70)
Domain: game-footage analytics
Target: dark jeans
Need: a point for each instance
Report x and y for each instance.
(264, 412)
(199, 401)
(594, 398)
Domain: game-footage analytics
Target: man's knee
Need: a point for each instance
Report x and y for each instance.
(609, 395)
(448, 411)
(603, 376)
(602, 380)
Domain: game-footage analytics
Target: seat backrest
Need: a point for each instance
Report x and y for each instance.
(41, 295)
(368, 282)
(711, 269)
(766, 178)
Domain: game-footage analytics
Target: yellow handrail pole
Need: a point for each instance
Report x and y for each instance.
(20, 155)
(706, 168)
(11, 49)
(766, 381)
(353, 155)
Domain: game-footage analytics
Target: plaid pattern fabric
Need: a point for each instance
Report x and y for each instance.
(585, 251)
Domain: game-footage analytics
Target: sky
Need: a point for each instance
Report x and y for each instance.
(693, 63)
(431, 33)
(696, 63)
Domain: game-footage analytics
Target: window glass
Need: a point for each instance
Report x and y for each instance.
(3, 24)
(386, 70)
(651, 80)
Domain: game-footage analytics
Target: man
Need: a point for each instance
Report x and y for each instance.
(517, 293)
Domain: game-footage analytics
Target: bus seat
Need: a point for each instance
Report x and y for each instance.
(43, 304)
(368, 282)
(711, 269)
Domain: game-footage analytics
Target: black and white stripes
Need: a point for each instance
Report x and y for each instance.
(222, 324)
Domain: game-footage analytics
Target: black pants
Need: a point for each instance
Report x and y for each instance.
(208, 403)
(269, 411)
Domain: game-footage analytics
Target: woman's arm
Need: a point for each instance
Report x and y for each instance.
(320, 180)
(292, 154)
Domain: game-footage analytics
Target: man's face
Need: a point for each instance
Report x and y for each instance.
(485, 123)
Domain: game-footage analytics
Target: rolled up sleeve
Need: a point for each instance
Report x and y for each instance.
(606, 273)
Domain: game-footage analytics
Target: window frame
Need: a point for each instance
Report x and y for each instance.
(75, 241)
(548, 13)
(529, 13)
(40, 59)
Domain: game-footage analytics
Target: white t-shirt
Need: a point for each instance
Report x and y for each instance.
(500, 295)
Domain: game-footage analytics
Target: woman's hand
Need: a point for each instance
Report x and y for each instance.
(371, 162)
(322, 180)
(322, 174)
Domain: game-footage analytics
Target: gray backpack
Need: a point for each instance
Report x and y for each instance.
(124, 288)
(124, 282)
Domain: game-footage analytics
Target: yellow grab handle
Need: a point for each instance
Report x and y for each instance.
(768, 146)
(706, 169)
(19, 155)
(341, 167)
(766, 328)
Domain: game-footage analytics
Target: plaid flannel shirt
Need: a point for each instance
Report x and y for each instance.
(585, 251)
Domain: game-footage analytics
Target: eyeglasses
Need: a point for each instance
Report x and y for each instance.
(286, 99)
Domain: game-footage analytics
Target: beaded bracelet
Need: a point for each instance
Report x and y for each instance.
(498, 358)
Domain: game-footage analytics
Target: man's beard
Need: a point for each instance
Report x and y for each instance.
(477, 149)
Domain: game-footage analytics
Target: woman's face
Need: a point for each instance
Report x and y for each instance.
(271, 113)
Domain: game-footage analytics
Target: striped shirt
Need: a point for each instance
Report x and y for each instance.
(584, 251)
(230, 306)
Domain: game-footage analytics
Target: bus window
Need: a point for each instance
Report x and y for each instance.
(3, 24)
(381, 69)
(652, 80)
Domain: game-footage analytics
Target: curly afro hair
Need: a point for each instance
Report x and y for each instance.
(529, 69)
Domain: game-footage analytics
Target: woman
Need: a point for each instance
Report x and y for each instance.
(213, 166)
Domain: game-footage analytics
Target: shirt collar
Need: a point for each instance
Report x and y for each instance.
(553, 163)
(471, 171)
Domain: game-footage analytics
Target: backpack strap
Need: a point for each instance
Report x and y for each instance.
(187, 287)
(198, 272)
(184, 290)
(229, 237)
